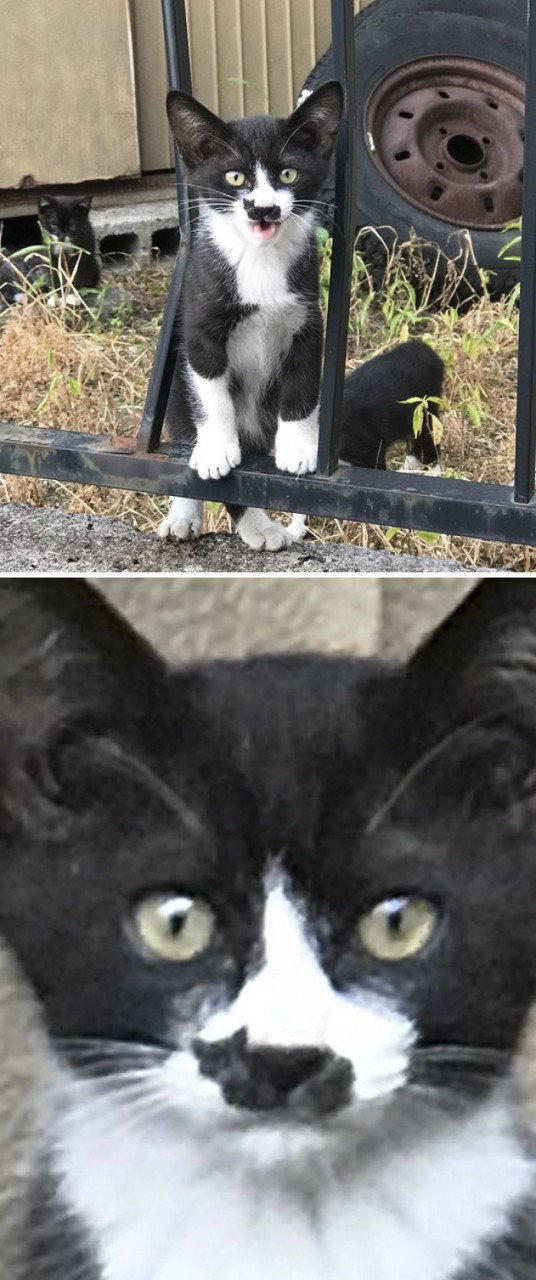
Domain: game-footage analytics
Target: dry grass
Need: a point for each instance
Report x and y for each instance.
(59, 370)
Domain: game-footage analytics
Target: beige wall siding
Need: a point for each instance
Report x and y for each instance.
(248, 56)
(67, 100)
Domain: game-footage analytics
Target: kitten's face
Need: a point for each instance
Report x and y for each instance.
(63, 217)
(259, 172)
(288, 943)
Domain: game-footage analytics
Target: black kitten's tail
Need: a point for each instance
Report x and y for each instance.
(374, 415)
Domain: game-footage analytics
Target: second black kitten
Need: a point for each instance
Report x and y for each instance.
(374, 413)
(66, 222)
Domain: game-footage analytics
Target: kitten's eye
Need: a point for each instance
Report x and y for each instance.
(397, 928)
(173, 927)
(235, 178)
(289, 177)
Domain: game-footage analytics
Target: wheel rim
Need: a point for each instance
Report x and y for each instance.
(447, 133)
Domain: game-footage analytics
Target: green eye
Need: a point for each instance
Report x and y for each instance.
(288, 177)
(235, 178)
(397, 928)
(173, 927)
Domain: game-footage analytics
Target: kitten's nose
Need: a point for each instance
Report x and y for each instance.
(256, 214)
(304, 1080)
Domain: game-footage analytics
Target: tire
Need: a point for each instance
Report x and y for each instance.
(388, 35)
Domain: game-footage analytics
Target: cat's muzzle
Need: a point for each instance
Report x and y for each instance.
(256, 214)
(305, 1082)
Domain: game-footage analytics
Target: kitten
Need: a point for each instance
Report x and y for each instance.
(280, 915)
(374, 416)
(65, 220)
(250, 354)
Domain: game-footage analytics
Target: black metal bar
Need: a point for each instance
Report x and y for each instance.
(179, 77)
(150, 431)
(388, 498)
(179, 73)
(526, 386)
(342, 22)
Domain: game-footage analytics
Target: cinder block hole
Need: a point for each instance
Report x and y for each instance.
(118, 251)
(19, 233)
(165, 242)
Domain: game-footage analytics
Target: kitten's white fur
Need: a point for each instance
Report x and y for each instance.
(261, 533)
(184, 1185)
(184, 520)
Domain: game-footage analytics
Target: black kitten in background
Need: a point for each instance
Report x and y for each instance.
(65, 219)
(280, 915)
(374, 417)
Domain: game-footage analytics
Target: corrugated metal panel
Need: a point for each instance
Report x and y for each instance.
(248, 56)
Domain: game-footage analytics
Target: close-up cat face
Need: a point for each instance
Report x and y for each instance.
(291, 893)
(259, 172)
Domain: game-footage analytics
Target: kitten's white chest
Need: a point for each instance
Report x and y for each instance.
(163, 1206)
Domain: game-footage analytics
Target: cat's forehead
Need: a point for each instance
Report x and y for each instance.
(259, 137)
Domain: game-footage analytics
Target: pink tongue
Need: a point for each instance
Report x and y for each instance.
(264, 231)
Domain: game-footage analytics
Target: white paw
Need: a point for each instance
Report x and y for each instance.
(184, 521)
(73, 300)
(51, 300)
(413, 463)
(261, 533)
(214, 457)
(296, 446)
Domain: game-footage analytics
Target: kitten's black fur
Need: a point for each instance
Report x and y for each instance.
(66, 220)
(118, 778)
(374, 417)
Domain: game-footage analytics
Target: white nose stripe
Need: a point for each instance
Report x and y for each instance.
(264, 195)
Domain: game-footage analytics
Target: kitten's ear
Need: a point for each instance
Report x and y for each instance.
(70, 668)
(83, 204)
(195, 129)
(315, 124)
(482, 660)
(44, 204)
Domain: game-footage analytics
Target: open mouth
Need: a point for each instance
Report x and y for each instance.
(265, 230)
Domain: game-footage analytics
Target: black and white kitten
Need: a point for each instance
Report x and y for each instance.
(249, 364)
(66, 222)
(280, 915)
(66, 225)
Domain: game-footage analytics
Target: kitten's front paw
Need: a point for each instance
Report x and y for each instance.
(214, 458)
(296, 447)
(184, 521)
(412, 463)
(261, 533)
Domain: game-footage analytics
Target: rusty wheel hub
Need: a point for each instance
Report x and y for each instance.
(447, 134)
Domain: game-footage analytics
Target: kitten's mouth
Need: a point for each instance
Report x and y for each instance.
(264, 231)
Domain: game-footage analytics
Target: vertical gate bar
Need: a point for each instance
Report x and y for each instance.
(179, 77)
(526, 384)
(342, 25)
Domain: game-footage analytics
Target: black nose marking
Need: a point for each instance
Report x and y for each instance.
(304, 1080)
(262, 215)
